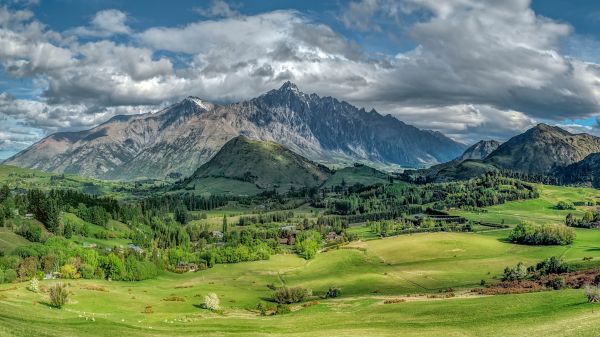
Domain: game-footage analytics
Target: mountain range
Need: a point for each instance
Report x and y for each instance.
(174, 142)
(542, 150)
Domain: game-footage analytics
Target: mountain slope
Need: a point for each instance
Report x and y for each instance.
(175, 141)
(466, 166)
(243, 163)
(357, 174)
(542, 149)
(585, 172)
(479, 150)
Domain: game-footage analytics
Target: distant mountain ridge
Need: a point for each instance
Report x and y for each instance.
(175, 141)
(542, 149)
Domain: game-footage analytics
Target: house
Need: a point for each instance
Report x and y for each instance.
(29, 216)
(51, 276)
(332, 236)
(183, 267)
(135, 248)
(290, 228)
(288, 240)
(216, 234)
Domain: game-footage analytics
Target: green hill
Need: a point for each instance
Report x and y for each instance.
(246, 167)
(357, 174)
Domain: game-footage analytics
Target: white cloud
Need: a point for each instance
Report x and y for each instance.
(218, 8)
(105, 24)
(480, 68)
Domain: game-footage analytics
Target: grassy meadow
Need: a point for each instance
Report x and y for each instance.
(413, 271)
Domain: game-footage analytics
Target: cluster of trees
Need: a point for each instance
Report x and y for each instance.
(588, 220)
(265, 218)
(411, 225)
(397, 200)
(534, 234)
(70, 261)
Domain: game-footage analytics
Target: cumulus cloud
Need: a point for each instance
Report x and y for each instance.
(218, 8)
(104, 24)
(480, 69)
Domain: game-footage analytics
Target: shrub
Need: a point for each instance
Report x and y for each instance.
(532, 234)
(552, 265)
(87, 271)
(69, 271)
(59, 295)
(10, 275)
(211, 302)
(282, 309)
(592, 293)
(556, 283)
(517, 273)
(333, 292)
(565, 205)
(287, 295)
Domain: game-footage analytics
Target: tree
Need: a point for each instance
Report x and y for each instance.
(211, 302)
(59, 295)
(181, 214)
(224, 223)
(34, 285)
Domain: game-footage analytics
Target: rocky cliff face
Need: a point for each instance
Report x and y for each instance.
(174, 142)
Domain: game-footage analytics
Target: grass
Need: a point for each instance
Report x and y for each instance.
(9, 240)
(540, 210)
(368, 273)
(18, 177)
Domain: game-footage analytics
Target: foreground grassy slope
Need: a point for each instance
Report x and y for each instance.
(368, 273)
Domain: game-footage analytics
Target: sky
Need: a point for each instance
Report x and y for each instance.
(472, 69)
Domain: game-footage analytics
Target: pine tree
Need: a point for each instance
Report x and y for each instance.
(224, 223)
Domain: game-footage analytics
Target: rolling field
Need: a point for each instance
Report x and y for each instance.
(368, 273)
(539, 210)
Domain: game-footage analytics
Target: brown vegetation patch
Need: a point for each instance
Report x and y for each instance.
(512, 287)
(394, 300)
(174, 299)
(94, 287)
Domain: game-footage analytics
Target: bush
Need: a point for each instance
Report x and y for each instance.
(333, 292)
(10, 275)
(87, 271)
(565, 205)
(59, 295)
(552, 265)
(287, 295)
(592, 293)
(69, 271)
(282, 309)
(532, 234)
(556, 283)
(517, 273)
(211, 302)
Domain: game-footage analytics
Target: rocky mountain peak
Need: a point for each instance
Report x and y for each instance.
(198, 102)
(289, 86)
